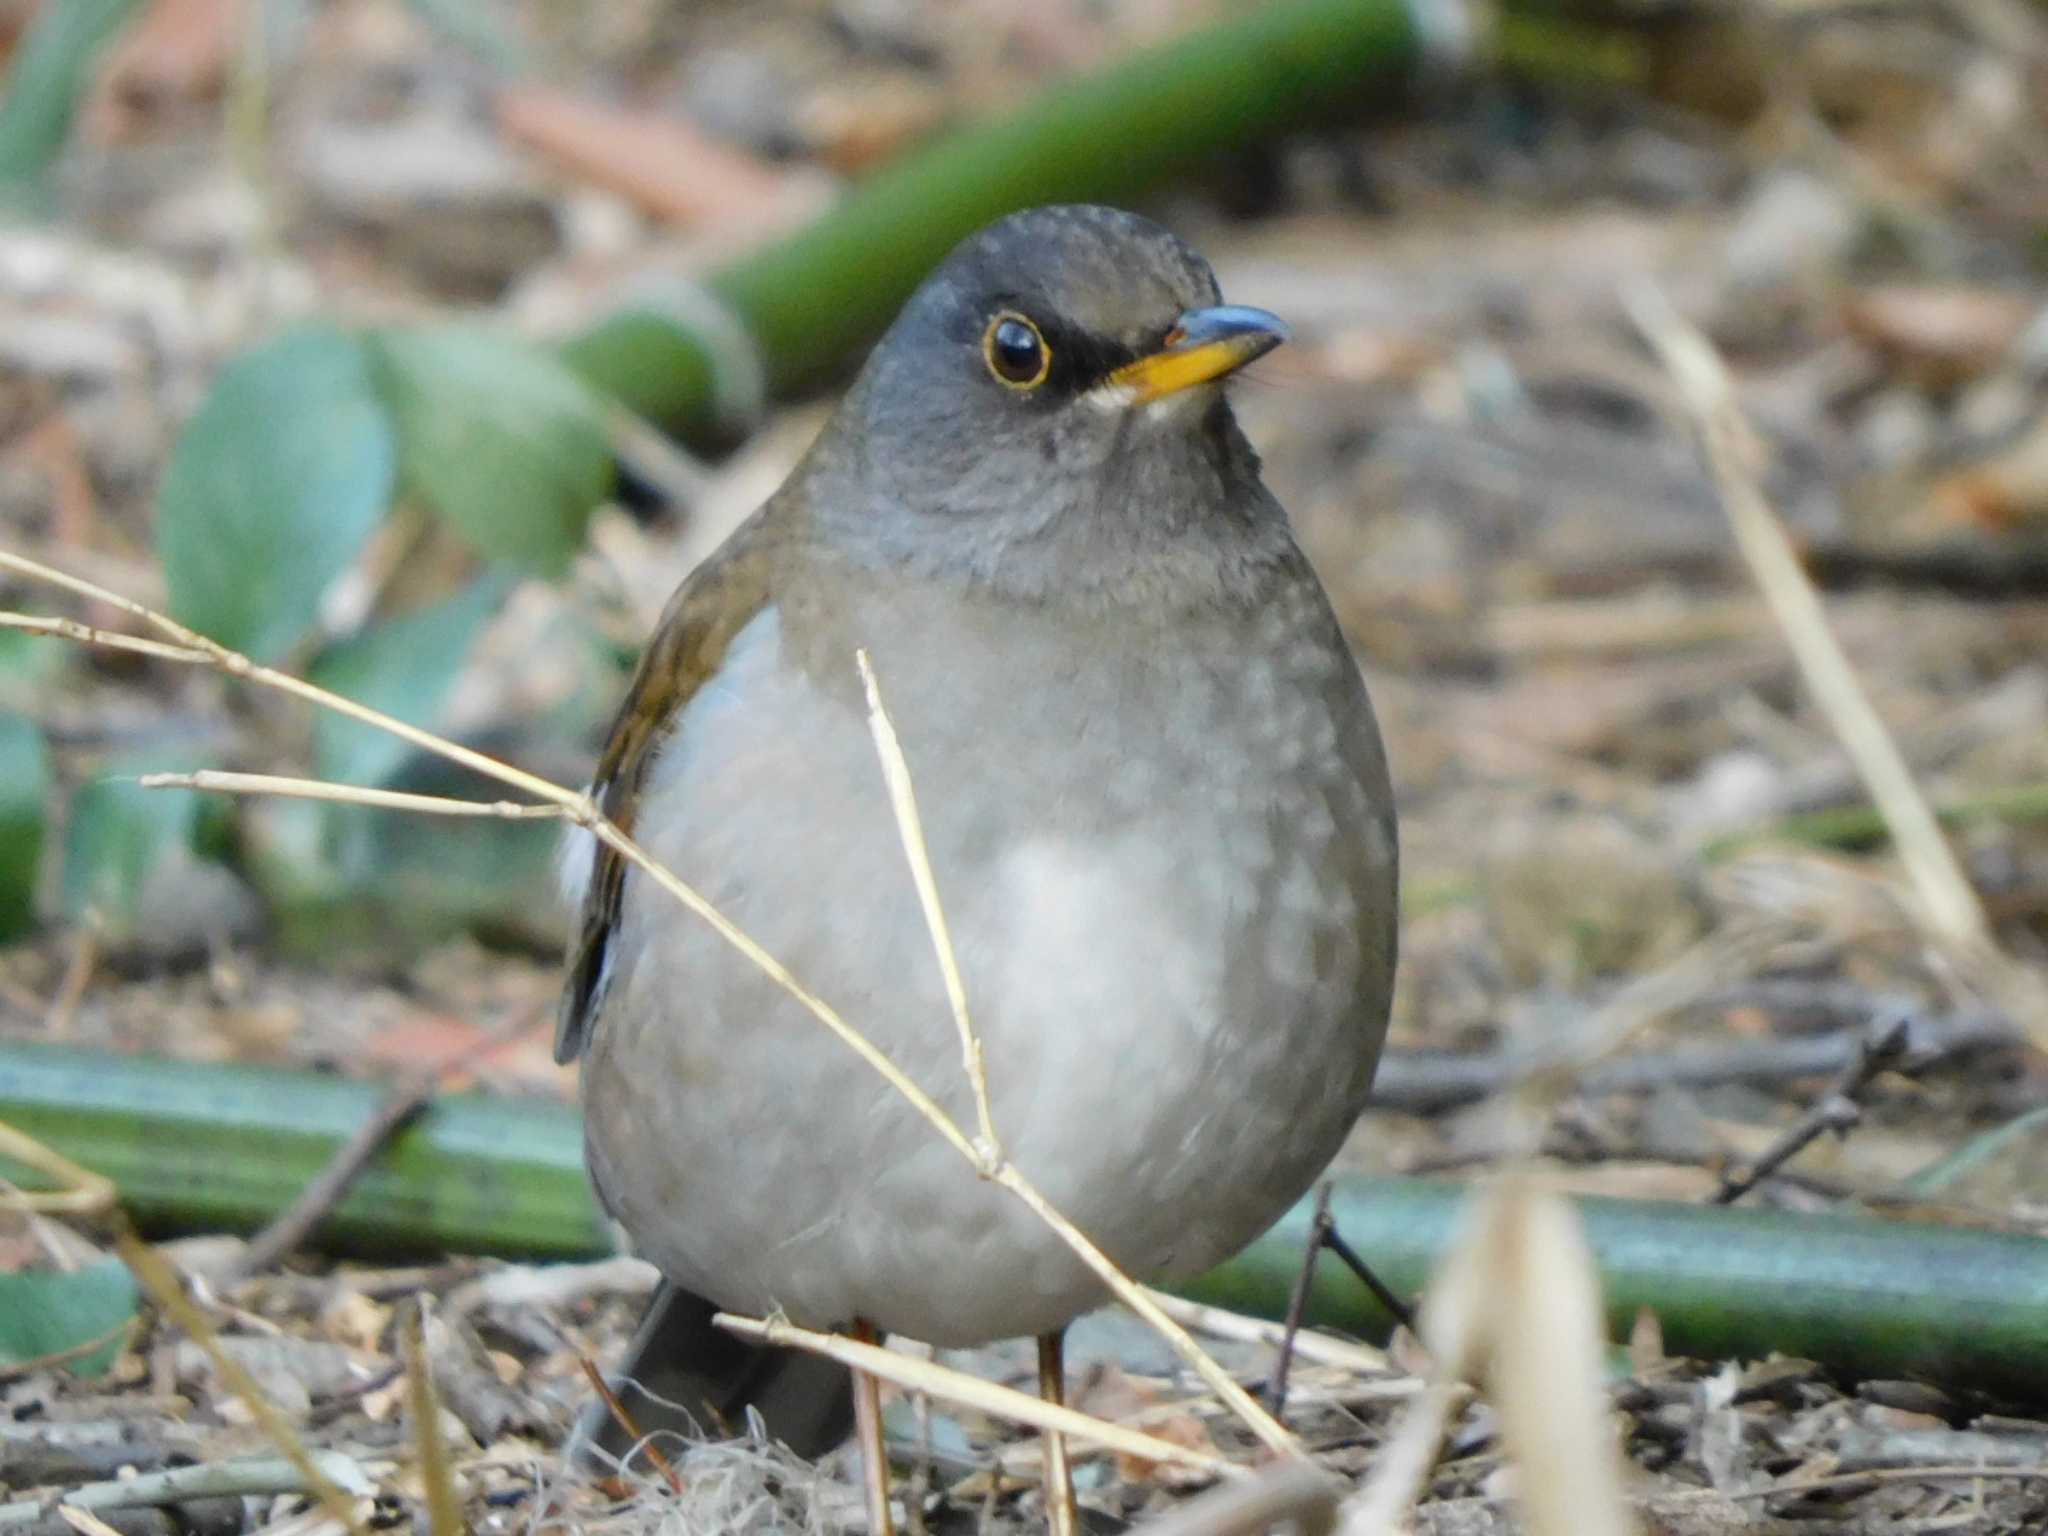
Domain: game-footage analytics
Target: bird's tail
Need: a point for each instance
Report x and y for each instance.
(685, 1375)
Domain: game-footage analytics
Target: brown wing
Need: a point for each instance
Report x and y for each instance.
(689, 645)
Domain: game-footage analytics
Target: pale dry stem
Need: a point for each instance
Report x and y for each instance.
(437, 1476)
(156, 1277)
(996, 1167)
(1317, 1348)
(188, 646)
(972, 1391)
(79, 1192)
(84, 1521)
(910, 827)
(1948, 902)
(216, 780)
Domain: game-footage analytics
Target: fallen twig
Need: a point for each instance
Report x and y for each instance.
(319, 1198)
(1881, 1047)
(1425, 1082)
(244, 1477)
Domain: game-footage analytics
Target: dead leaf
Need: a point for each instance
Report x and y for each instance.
(2002, 492)
(176, 52)
(1939, 336)
(1111, 1393)
(462, 1051)
(855, 129)
(661, 165)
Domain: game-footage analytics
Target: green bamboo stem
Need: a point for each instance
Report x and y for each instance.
(195, 1147)
(814, 299)
(1964, 1308)
(199, 1147)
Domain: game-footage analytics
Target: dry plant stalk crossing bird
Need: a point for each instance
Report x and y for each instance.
(1156, 806)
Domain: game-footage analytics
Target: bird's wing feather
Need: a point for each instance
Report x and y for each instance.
(687, 649)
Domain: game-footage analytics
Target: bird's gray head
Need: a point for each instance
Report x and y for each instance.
(1046, 414)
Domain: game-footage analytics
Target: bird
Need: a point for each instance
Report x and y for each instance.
(1157, 811)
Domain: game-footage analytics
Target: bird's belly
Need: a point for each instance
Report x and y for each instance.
(1177, 1004)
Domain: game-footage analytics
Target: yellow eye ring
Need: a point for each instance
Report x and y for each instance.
(1015, 351)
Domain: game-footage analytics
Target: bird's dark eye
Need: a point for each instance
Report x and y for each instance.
(1016, 352)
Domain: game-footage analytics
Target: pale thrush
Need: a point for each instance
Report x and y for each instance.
(1157, 810)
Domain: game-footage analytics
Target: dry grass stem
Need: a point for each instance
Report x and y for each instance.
(1515, 1304)
(79, 1192)
(105, 639)
(437, 1477)
(1402, 1465)
(156, 1277)
(84, 1521)
(189, 646)
(1545, 1366)
(992, 1164)
(910, 827)
(1269, 1430)
(214, 779)
(1316, 1348)
(989, 1397)
(1948, 901)
(197, 649)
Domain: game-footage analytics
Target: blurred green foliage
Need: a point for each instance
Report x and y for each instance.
(51, 1312)
(498, 437)
(273, 488)
(284, 477)
(120, 834)
(24, 795)
(51, 69)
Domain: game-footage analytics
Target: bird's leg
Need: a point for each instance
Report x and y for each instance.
(1061, 1517)
(867, 1423)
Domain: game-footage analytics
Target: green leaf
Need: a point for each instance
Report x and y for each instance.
(473, 25)
(52, 67)
(24, 786)
(119, 833)
(273, 488)
(403, 667)
(500, 438)
(347, 878)
(29, 663)
(45, 1312)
